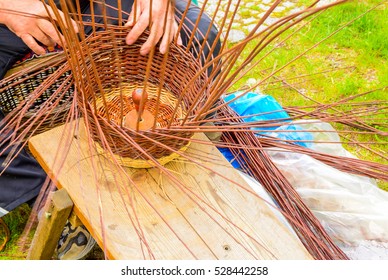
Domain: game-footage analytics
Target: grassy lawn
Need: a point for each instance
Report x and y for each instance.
(351, 62)
(355, 58)
(16, 221)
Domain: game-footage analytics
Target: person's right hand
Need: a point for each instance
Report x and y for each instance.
(163, 26)
(30, 28)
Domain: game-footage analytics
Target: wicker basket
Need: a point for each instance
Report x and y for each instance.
(118, 70)
(107, 93)
(39, 80)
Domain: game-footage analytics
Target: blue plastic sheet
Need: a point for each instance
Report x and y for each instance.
(255, 108)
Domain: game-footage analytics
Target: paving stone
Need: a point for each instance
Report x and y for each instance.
(249, 28)
(249, 20)
(252, 12)
(236, 35)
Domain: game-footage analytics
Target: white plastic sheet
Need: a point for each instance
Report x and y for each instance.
(352, 209)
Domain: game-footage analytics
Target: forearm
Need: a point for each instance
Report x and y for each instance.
(2, 12)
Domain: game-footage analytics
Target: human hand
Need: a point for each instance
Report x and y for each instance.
(33, 25)
(160, 28)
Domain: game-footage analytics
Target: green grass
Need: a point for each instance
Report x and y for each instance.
(355, 58)
(16, 221)
(367, 34)
(362, 45)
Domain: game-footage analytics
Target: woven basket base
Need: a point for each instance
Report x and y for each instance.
(118, 104)
(119, 100)
(140, 163)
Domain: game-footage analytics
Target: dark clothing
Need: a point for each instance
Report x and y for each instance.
(22, 180)
(12, 48)
(24, 177)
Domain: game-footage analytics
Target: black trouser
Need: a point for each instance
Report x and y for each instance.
(22, 180)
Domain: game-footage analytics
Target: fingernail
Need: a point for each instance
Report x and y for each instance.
(75, 26)
(143, 51)
(179, 41)
(162, 49)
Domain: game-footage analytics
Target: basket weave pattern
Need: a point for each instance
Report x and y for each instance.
(42, 81)
(122, 69)
(107, 72)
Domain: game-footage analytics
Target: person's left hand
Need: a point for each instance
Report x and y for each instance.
(31, 23)
(160, 28)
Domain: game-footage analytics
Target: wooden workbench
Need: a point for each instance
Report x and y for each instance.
(144, 214)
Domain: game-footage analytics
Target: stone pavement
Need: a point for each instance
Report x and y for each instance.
(249, 13)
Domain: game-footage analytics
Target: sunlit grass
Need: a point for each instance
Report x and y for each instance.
(16, 221)
(351, 62)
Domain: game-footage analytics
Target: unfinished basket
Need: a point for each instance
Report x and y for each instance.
(42, 81)
(118, 69)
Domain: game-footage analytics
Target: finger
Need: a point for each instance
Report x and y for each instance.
(154, 37)
(179, 40)
(75, 25)
(32, 44)
(137, 29)
(49, 30)
(176, 32)
(129, 23)
(63, 18)
(167, 36)
(131, 19)
(40, 36)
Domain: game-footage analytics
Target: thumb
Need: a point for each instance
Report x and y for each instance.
(130, 20)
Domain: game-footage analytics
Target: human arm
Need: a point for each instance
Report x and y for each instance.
(161, 29)
(29, 21)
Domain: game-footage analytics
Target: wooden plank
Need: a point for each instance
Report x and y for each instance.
(205, 211)
(51, 224)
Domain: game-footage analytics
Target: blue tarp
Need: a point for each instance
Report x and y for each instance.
(255, 108)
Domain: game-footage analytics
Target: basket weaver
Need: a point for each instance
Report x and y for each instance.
(116, 70)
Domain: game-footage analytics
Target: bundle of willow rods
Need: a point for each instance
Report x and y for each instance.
(257, 163)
